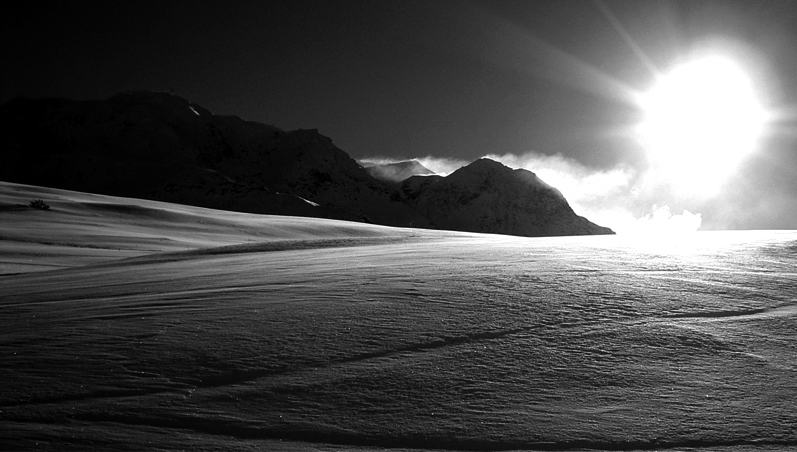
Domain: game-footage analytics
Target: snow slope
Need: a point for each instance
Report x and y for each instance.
(83, 228)
(184, 328)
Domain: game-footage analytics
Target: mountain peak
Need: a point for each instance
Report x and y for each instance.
(488, 196)
(480, 172)
(485, 164)
(161, 100)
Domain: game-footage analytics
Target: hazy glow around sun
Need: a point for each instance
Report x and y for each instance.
(701, 119)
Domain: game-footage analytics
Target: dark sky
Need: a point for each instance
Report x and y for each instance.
(449, 79)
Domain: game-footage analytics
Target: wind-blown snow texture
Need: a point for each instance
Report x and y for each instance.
(315, 335)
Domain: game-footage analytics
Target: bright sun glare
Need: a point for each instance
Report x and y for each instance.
(701, 119)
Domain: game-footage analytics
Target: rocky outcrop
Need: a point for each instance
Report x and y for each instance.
(160, 146)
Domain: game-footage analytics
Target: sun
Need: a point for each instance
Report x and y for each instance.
(701, 118)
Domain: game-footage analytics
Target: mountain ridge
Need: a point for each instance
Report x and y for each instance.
(160, 146)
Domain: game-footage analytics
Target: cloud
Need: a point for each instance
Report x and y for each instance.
(440, 165)
(659, 221)
(622, 198)
(662, 220)
(375, 161)
(577, 182)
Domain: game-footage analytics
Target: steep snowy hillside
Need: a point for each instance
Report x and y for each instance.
(86, 229)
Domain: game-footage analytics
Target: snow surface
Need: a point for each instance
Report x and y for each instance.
(137, 325)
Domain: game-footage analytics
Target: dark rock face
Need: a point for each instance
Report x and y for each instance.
(397, 172)
(160, 146)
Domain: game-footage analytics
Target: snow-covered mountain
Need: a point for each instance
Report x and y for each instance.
(487, 196)
(160, 146)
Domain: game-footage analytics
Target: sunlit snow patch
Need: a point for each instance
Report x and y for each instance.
(314, 204)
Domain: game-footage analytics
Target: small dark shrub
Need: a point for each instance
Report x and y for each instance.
(39, 204)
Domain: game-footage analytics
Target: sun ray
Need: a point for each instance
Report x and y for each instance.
(635, 47)
(513, 46)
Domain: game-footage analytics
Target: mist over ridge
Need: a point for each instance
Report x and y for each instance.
(622, 197)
